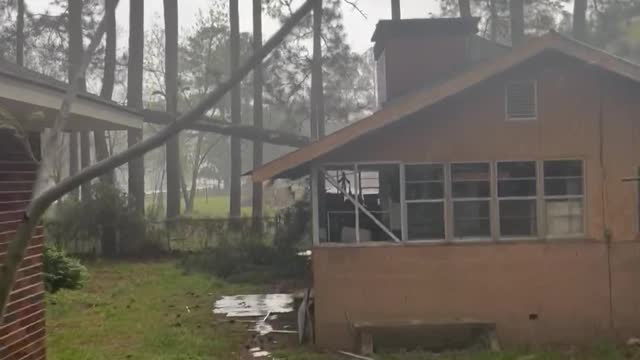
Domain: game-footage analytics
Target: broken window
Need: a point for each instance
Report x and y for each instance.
(470, 188)
(517, 198)
(337, 218)
(424, 192)
(564, 197)
(379, 194)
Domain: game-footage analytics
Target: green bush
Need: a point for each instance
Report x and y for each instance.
(62, 271)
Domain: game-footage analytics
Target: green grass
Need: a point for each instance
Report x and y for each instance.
(139, 311)
(215, 207)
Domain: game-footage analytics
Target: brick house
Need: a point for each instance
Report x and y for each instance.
(488, 187)
(34, 100)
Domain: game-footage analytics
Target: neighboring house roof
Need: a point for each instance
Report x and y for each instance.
(20, 84)
(400, 108)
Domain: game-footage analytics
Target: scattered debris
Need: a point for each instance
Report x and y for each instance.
(254, 305)
(633, 342)
(354, 356)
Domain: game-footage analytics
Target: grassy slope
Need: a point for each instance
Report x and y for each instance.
(138, 311)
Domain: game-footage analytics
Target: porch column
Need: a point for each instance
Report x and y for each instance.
(315, 209)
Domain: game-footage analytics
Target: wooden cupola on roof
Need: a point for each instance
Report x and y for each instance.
(414, 53)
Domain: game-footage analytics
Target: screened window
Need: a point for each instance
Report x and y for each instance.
(425, 201)
(517, 198)
(521, 100)
(470, 187)
(564, 197)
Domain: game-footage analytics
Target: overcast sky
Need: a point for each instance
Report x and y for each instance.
(359, 29)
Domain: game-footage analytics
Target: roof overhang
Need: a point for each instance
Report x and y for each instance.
(296, 162)
(36, 106)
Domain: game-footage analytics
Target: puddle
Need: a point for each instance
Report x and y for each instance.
(254, 305)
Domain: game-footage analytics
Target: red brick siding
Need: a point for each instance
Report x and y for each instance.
(22, 332)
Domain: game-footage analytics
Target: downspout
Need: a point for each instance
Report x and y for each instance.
(606, 231)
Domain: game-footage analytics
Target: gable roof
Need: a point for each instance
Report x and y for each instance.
(421, 99)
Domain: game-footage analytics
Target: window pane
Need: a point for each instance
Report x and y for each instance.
(562, 168)
(379, 193)
(516, 169)
(559, 187)
(429, 172)
(518, 217)
(470, 189)
(425, 191)
(425, 221)
(512, 188)
(470, 171)
(564, 216)
(471, 219)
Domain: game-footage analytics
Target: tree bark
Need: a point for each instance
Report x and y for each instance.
(134, 100)
(257, 193)
(171, 94)
(465, 8)
(74, 29)
(108, 82)
(395, 9)
(516, 8)
(493, 14)
(38, 206)
(235, 188)
(317, 88)
(580, 20)
(20, 34)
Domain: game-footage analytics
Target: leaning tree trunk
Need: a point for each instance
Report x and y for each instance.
(20, 34)
(517, 21)
(171, 85)
(317, 88)
(395, 9)
(74, 28)
(134, 100)
(108, 80)
(235, 191)
(580, 20)
(465, 8)
(257, 193)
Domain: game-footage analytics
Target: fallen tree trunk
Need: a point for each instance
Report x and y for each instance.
(247, 132)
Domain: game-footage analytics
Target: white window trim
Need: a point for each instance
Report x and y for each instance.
(535, 198)
(583, 197)
(453, 200)
(506, 101)
(419, 201)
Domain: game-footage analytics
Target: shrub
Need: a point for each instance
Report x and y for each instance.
(62, 271)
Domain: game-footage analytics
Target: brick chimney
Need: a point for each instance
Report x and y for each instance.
(414, 53)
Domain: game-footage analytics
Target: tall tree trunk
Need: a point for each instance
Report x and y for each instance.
(516, 13)
(171, 85)
(20, 34)
(465, 8)
(74, 29)
(134, 100)
(73, 160)
(395, 9)
(108, 80)
(317, 87)
(493, 15)
(257, 193)
(195, 172)
(580, 20)
(235, 190)
(85, 161)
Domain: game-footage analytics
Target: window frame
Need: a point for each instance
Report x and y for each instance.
(582, 197)
(452, 200)
(444, 200)
(536, 198)
(508, 118)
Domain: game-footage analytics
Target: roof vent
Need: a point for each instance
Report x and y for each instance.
(521, 100)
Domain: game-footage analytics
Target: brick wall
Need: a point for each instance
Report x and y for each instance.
(22, 334)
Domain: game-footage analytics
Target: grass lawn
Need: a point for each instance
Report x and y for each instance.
(216, 207)
(139, 311)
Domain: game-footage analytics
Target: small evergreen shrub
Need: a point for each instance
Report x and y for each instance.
(62, 271)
